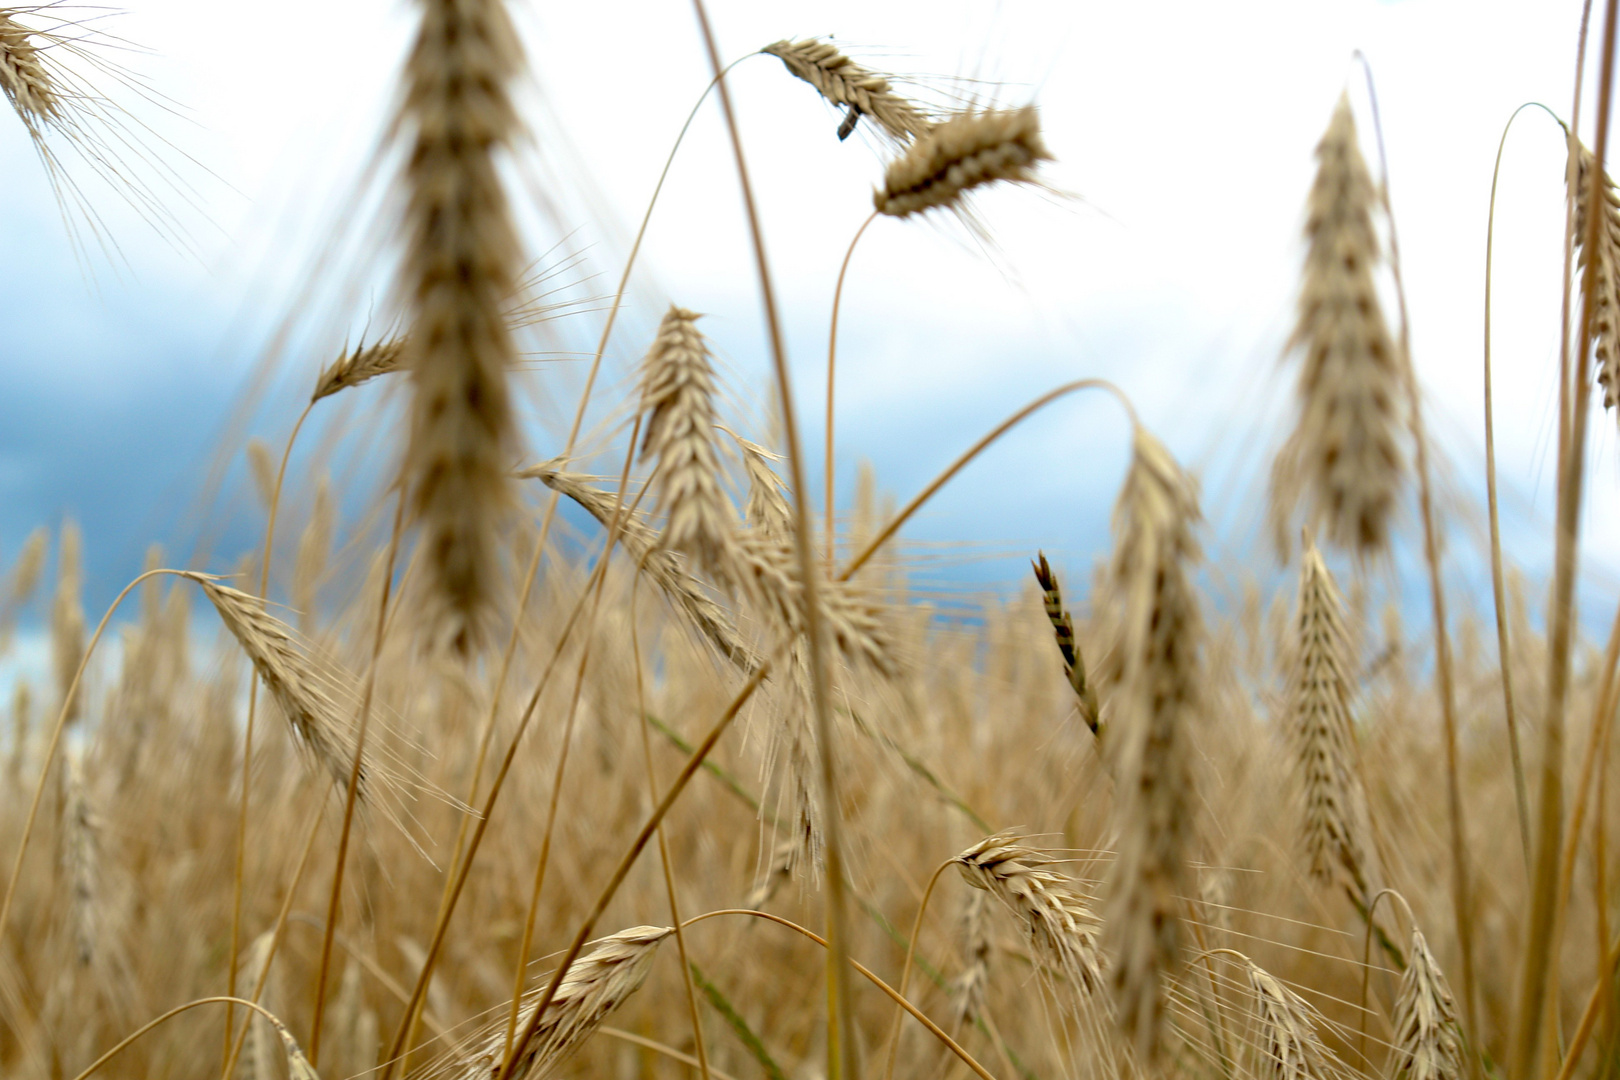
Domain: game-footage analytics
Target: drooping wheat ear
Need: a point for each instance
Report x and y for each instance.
(767, 509)
(291, 676)
(785, 857)
(298, 1066)
(767, 573)
(1161, 631)
(971, 984)
(1059, 921)
(595, 985)
(314, 545)
(861, 91)
(360, 364)
(1074, 663)
(1319, 717)
(462, 261)
(1606, 310)
(1289, 1046)
(25, 79)
(67, 618)
(681, 589)
(966, 151)
(677, 393)
(1345, 447)
(1426, 1041)
(789, 769)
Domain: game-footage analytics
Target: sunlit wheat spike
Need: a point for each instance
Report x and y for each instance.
(67, 618)
(767, 509)
(595, 985)
(461, 264)
(662, 566)
(291, 677)
(861, 91)
(26, 80)
(1427, 1046)
(767, 573)
(1606, 297)
(677, 393)
(1154, 557)
(963, 152)
(1319, 716)
(1345, 449)
(358, 365)
(1074, 663)
(972, 983)
(1059, 921)
(1289, 1047)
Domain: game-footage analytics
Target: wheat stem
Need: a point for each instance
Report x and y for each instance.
(905, 968)
(832, 358)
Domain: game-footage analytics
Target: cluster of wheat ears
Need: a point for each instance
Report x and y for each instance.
(445, 809)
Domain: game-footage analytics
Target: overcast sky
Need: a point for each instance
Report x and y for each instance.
(1164, 257)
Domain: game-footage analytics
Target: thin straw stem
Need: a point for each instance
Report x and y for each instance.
(905, 969)
(832, 359)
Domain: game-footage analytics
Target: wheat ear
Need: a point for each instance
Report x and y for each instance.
(966, 151)
(972, 984)
(861, 91)
(1154, 553)
(358, 365)
(1074, 663)
(26, 79)
(462, 262)
(1606, 274)
(1426, 1039)
(1345, 446)
(1291, 1048)
(1319, 717)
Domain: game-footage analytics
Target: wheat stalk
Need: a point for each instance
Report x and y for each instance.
(1059, 921)
(861, 91)
(358, 365)
(677, 393)
(1319, 718)
(1426, 1039)
(1154, 550)
(593, 987)
(462, 261)
(966, 151)
(1345, 445)
(1074, 662)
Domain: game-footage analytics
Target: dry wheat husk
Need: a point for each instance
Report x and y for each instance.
(1427, 1045)
(1289, 1046)
(1154, 555)
(1320, 686)
(677, 394)
(861, 91)
(359, 365)
(594, 986)
(767, 509)
(462, 261)
(1606, 294)
(681, 589)
(1345, 450)
(1061, 926)
(25, 78)
(966, 151)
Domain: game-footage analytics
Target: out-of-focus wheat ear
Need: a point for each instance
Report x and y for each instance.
(1345, 452)
(972, 983)
(26, 80)
(1426, 1044)
(965, 151)
(1319, 693)
(359, 365)
(640, 543)
(261, 1056)
(1161, 632)
(314, 546)
(22, 582)
(22, 711)
(1289, 1047)
(262, 464)
(1059, 921)
(81, 858)
(462, 261)
(677, 393)
(67, 618)
(1074, 663)
(860, 90)
(1606, 308)
(766, 572)
(291, 677)
(593, 987)
(784, 859)
(767, 509)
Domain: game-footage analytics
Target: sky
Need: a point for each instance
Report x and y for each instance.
(1162, 254)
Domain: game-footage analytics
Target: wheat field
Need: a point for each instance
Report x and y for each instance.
(612, 751)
